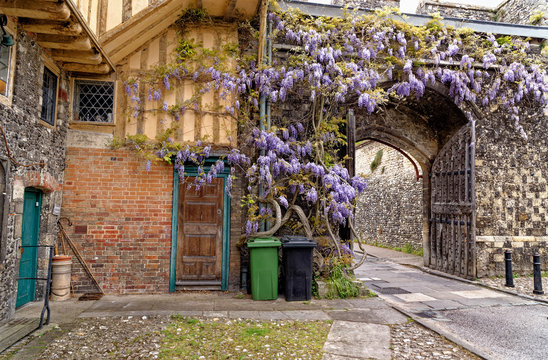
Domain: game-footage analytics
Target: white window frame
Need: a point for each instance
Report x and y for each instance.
(7, 98)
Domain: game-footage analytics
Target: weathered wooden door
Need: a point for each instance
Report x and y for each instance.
(453, 206)
(200, 234)
(29, 237)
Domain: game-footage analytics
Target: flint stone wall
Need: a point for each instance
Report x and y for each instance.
(29, 141)
(462, 11)
(389, 211)
(511, 191)
(367, 4)
(520, 11)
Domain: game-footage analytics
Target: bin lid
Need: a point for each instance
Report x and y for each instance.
(263, 242)
(289, 241)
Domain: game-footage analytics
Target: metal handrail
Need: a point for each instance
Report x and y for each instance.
(48, 283)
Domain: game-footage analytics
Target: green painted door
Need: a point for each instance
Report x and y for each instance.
(27, 265)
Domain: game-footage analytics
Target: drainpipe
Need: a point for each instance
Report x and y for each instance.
(268, 105)
(262, 99)
(269, 61)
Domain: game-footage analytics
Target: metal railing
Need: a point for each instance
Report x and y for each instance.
(47, 280)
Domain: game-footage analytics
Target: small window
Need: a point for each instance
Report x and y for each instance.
(5, 61)
(49, 96)
(93, 101)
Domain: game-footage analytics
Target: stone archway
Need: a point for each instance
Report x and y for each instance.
(389, 211)
(421, 128)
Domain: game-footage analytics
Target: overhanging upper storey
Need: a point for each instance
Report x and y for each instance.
(134, 29)
(60, 29)
(536, 32)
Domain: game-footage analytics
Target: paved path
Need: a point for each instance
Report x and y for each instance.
(494, 324)
(360, 327)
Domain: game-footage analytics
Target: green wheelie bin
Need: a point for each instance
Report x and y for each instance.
(263, 253)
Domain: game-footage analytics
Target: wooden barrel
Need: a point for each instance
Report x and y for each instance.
(60, 277)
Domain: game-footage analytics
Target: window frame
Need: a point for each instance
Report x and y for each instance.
(92, 124)
(54, 70)
(7, 98)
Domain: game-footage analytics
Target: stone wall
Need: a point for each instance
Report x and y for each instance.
(463, 11)
(368, 4)
(511, 191)
(520, 11)
(389, 212)
(30, 141)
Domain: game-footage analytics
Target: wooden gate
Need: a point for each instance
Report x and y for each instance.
(453, 206)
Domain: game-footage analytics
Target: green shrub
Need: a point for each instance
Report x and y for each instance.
(341, 284)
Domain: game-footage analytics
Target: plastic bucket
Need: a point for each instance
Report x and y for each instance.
(60, 277)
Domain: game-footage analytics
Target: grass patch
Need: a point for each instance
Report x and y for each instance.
(407, 248)
(191, 338)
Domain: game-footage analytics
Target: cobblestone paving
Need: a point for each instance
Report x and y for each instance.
(522, 285)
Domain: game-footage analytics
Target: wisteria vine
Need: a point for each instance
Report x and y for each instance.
(362, 61)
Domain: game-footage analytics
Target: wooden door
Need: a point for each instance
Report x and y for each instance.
(200, 233)
(453, 206)
(29, 237)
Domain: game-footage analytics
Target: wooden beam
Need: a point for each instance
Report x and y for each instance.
(35, 9)
(64, 42)
(54, 28)
(75, 56)
(92, 69)
(262, 32)
(230, 9)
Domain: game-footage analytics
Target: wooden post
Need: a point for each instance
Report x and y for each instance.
(351, 143)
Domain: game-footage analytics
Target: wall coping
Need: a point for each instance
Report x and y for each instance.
(486, 239)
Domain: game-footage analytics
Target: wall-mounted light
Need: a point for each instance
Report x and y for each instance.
(7, 40)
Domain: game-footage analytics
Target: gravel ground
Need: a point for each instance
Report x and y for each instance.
(522, 285)
(126, 337)
(141, 338)
(413, 341)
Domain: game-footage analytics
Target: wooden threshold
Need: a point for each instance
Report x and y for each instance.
(198, 285)
(14, 330)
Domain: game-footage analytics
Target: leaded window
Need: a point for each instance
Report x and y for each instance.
(93, 101)
(49, 97)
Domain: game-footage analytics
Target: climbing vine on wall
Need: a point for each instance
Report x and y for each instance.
(360, 61)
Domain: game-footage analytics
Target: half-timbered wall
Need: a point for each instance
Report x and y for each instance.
(210, 122)
(105, 15)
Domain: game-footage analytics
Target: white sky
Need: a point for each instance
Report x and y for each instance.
(409, 6)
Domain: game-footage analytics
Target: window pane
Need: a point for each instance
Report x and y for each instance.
(49, 96)
(93, 101)
(4, 68)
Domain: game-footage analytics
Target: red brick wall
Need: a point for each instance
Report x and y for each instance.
(121, 217)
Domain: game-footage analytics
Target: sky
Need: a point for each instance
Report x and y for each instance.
(409, 6)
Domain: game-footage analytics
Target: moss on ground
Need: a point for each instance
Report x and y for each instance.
(191, 338)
